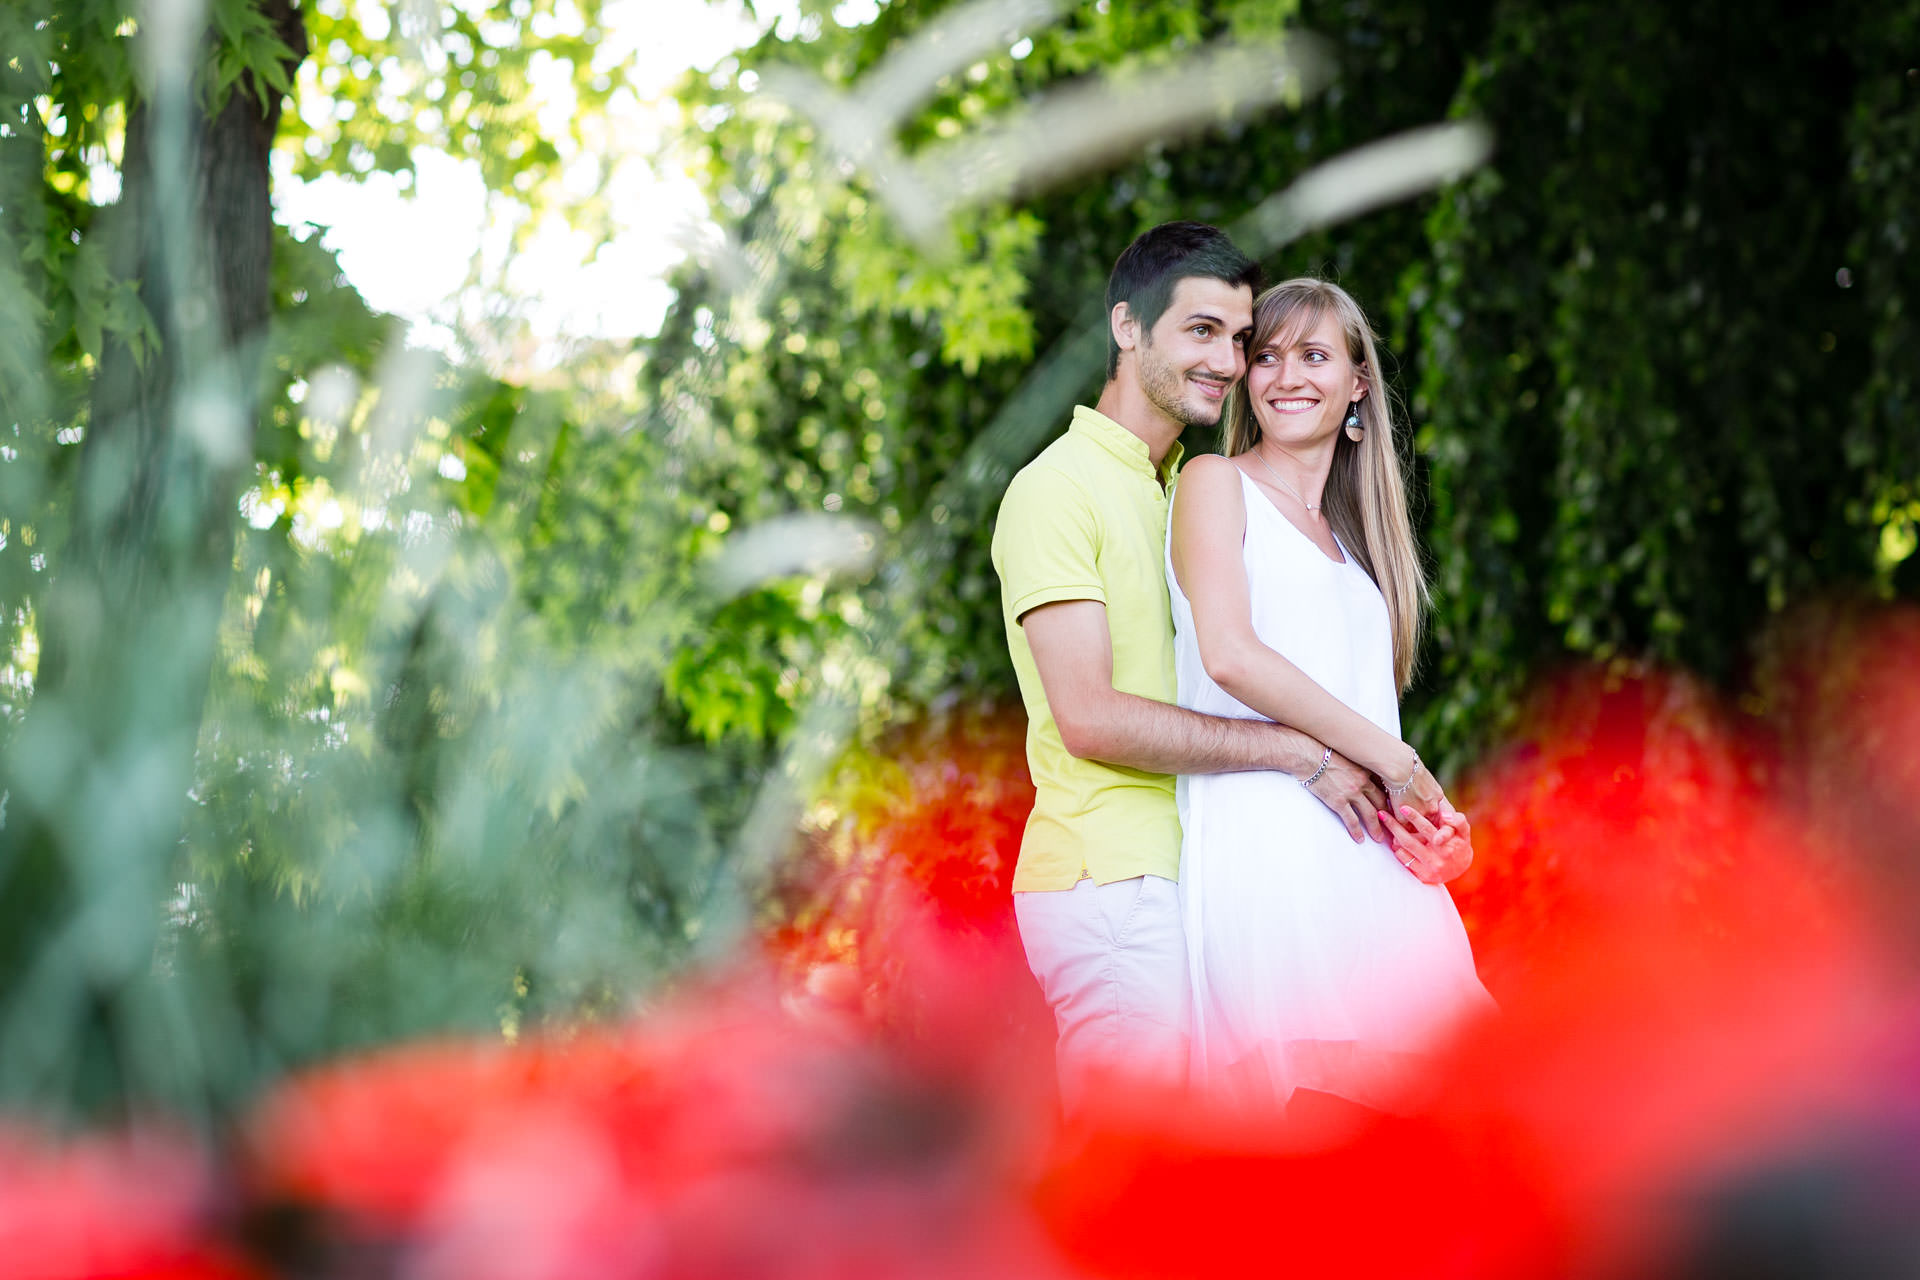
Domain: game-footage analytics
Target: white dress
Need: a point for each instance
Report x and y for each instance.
(1316, 962)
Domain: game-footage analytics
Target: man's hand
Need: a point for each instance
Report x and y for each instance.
(1434, 854)
(1354, 796)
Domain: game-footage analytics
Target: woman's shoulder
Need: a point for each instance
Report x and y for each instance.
(1210, 469)
(1208, 495)
(1211, 474)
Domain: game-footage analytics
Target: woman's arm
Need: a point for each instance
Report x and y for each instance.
(1209, 526)
(1073, 652)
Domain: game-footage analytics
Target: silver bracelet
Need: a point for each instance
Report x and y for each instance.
(1326, 754)
(1397, 792)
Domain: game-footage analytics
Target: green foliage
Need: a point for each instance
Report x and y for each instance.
(433, 781)
(246, 46)
(388, 80)
(742, 676)
(856, 372)
(1658, 358)
(1641, 344)
(495, 718)
(434, 786)
(1879, 438)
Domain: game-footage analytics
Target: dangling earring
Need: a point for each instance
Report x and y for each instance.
(1355, 432)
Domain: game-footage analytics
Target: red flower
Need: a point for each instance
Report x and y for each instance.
(1667, 899)
(725, 1136)
(1687, 983)
(134, 1205)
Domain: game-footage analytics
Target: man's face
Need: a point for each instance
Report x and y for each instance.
(1196, 350)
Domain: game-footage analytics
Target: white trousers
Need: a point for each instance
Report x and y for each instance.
(1112, 961)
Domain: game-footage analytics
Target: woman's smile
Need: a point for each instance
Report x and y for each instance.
(1308, 375)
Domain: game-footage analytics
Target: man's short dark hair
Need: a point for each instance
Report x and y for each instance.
(1152, 266)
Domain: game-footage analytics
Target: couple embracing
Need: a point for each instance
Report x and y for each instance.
(1233, 874)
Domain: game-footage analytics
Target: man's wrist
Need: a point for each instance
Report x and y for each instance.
(1326, 758)
(1295, 753)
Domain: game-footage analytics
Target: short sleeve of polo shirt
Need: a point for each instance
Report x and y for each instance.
(1046, 543)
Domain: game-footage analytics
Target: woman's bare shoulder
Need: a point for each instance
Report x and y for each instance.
(1209, 494)
(1211, 471)
(1210, 474)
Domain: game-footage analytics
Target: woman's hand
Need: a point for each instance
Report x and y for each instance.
(1353, 795)
(1435, 854)
(1422, 791)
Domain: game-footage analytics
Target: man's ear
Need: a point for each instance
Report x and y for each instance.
(1126, 331)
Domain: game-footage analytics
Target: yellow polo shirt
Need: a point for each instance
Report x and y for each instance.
(1087, 520)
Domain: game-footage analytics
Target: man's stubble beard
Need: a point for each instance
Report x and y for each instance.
(1163, 386)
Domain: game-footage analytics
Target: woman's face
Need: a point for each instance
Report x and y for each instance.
(1302, 383)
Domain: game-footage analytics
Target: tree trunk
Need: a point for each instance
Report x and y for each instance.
(99, 775)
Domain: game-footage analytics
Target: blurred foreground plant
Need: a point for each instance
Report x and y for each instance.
(1711, 1061)
(332, 667)
(372, 695)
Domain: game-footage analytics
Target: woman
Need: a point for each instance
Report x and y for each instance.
(1297, 594)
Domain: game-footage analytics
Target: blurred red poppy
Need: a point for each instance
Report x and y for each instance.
(137, 1205)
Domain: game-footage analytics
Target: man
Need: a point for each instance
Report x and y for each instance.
(1079, 547)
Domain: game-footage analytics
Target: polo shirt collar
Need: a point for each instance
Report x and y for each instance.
(1125, 445)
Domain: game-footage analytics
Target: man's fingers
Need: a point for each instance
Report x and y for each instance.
(1355, 822)
(1370, 818)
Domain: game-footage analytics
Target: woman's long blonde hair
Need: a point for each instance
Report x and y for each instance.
(1366, 495)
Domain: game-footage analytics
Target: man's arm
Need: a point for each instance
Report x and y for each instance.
(1074, 654)
(1073, 651)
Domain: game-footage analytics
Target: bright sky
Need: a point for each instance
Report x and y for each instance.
(410, 254)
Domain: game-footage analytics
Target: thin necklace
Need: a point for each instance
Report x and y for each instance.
(1291, 491)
